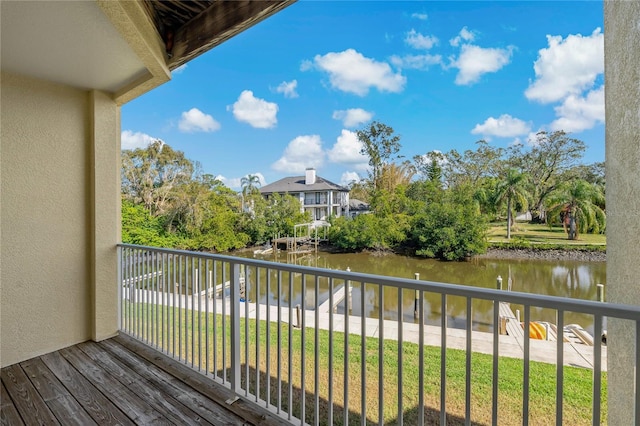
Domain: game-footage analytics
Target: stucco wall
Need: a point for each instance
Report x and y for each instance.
(45, 216)
(622, 99)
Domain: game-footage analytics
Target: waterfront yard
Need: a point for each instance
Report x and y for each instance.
(533, 234)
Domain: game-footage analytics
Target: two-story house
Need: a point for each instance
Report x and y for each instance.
(318, 196)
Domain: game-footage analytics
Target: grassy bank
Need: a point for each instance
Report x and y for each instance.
(577, 389)
(525, 235)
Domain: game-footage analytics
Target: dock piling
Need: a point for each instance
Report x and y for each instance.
(499, 283)
(415, 302)
(600, 292)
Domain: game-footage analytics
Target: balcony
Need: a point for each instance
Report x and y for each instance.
(234, 329)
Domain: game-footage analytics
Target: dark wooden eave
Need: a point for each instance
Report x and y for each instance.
(190, 28)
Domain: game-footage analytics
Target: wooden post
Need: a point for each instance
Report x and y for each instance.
(415, 302)
(298, 316)
(347, 295)
(600, 292)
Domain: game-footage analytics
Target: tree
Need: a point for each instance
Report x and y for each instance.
(511, 188)
(149, 175)
(451, 229)
(429, 166)
(380, 145)
(468, 168)
(250, 184)
(576, 202)
(550, 157)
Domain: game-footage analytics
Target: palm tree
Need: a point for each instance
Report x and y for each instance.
(250, 184)
(512, 188)
(577, 202)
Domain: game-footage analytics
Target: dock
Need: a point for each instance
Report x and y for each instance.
(338, 297)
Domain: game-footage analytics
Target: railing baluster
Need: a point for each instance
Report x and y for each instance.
(208, 280)
(215, 319)
(289, 350)
(527, 354)
(316, 360)
(597, 367)
(347, 303)
(443, 360)
(496, 346)
(421, 358)
(363, 356)
(559, 367)
(235, 327)
(268, 354)
(194, 283)
(303, 344)
(257, 302)
(330, 408)
(467, 401)
(246, 329)
(380, 355)
(157, 294)
(400, 343)
(225, 366)
(279, 354)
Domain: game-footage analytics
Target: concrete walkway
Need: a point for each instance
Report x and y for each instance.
(575, 354)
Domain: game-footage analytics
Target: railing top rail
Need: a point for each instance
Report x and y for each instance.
(630, 312)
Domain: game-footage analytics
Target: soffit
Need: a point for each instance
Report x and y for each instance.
(72, 43)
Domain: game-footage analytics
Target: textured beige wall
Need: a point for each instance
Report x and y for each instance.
(622, 99)
(45, 218)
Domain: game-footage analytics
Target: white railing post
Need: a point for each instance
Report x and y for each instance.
(235, 327)
(120, 284)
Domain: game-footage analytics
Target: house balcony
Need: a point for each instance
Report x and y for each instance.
(219, 339)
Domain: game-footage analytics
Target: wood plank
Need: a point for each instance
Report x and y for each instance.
(103, 411)
(9, 415)
(64, 406)
(246, 409)
(208, 409)
(161, 401)
(216, 24)
(26, 398)
(131, 404)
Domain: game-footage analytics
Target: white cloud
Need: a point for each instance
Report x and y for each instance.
(130, 140)
(420, 16)
(504, 126)
(346, 150)
(352, 117)
(475, 61)
(567, 67)
(463, 35)
(301, 153)
(195, 120)
(255, 111)
(236, 183)
(179, 70)
(348, 177)
(352, 72)
(418, 62)
(306, 65)
(419, 41)
(288, 88)
(579, 113)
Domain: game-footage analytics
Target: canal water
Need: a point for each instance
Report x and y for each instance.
(564, 278)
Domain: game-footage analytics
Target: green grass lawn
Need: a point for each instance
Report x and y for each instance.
(577, 382)
(541, 234)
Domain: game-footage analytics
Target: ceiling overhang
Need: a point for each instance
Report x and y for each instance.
(121, 47)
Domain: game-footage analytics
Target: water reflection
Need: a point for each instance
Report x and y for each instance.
(570, 279)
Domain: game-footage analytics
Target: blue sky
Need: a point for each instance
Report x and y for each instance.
(289, 92)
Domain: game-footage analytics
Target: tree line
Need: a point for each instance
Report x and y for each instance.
(167, 201)
(437, 204)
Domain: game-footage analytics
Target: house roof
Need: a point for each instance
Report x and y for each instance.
(355, 204)
(297, 184)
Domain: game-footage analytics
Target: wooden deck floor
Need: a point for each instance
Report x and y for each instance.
(118, 381)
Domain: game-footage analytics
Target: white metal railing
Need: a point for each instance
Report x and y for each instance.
(276, 335)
